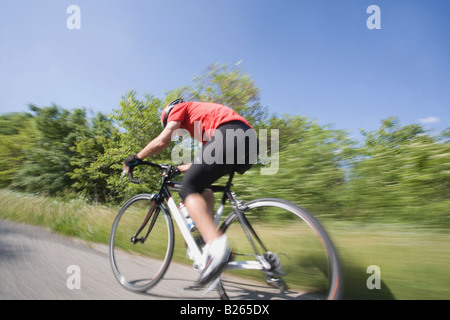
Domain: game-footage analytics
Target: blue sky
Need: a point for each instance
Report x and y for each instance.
(315, 58)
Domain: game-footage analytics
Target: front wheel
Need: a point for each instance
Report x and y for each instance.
(141, 243)
(293, 254)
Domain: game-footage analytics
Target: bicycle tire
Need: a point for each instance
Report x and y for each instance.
(136, 266)
(278, 285)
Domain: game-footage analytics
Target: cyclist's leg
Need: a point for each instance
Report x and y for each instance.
(197, 200)
(208, 195)
(218, 252)
(234, 146)
(202, 174)
(198, 210)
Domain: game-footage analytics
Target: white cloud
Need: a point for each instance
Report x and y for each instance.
(429, 120)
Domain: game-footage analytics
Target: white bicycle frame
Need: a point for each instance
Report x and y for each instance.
(199, 256)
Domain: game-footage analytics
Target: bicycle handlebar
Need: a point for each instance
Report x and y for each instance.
(167, 167)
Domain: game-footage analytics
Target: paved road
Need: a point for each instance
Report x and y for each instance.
(34, 265)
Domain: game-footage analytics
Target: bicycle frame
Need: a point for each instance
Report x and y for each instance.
(198, 256)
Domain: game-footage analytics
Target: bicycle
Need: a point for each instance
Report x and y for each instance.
(310, 266)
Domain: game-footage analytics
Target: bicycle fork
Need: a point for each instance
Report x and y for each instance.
(153, 213)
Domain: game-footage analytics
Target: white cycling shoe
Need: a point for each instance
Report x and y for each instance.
(218, 256)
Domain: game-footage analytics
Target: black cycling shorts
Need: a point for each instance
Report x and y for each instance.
(233, 147)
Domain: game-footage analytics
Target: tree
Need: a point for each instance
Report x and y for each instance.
(403, 173)
(229, 86)
(62, 145)
(138, 122)
(88, 176)
(312, 171)
(398, 173)
(47, 162)
(15, 137)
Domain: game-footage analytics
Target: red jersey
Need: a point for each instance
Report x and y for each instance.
(201, 119)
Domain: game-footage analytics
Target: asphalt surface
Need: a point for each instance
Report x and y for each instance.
(36, 264)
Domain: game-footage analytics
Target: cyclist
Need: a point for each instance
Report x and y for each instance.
(229, 144)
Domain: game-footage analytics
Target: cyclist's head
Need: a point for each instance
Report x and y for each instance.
(167, 109)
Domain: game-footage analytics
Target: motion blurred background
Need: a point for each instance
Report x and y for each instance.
(362, 114)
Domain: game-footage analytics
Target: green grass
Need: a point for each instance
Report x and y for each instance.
(72, 218)
(414, 261)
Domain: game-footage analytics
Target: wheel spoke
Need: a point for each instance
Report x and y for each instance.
(140, 262)
(299, 263)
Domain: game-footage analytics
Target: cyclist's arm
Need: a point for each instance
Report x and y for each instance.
(160, 142)
(184, 167)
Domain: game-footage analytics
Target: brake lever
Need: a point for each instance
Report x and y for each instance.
(124, 172)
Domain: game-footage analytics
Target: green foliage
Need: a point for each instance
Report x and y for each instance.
(15, 136)
(47, 162)
(403, 173)
(52, 151)
(229, 86)
(311, 166)
(89, 176)
(139, 122)
(399, 172)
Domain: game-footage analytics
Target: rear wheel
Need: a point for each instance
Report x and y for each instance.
(296, 256)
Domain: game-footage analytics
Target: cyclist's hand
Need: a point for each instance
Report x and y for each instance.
(174, 171)
(131, 161)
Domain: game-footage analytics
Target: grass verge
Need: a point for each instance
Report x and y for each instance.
(413, 261)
